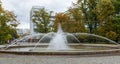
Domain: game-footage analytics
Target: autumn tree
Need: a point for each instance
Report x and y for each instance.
(104, 11)
(111, 35)
(70, 21)
(76, 20)
(100, 16)
(63, 19)
(107, 12)
(8, 23)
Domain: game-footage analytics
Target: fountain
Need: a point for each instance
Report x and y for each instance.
(60, 43)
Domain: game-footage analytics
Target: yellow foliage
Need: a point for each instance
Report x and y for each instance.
(67, 24)
(112, 35)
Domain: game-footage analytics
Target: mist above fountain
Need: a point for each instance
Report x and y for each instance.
(59, 41)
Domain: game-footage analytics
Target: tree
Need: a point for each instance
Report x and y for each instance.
(104, 11)
(90, 18)
(63, 19)
(41, 19)
(76, 20)
(100, 16)
(69, 24)
(116, 4)
(108, 16)
(111, 35)
(116, 26)
(116, 19)
(6, 25)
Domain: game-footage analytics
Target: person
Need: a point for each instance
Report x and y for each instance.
(30, 39)
(9, 41)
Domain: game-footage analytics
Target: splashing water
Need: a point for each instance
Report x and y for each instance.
(98, 37)
(59, 41)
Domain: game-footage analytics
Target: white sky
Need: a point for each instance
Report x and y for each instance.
(22, 8)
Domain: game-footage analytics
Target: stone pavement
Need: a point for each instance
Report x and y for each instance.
(24, 59)
(56, 59)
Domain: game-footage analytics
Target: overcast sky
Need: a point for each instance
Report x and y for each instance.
(22, 8)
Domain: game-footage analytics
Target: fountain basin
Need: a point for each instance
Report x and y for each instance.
(76, 49)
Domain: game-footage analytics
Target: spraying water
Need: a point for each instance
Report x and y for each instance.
(98, 37)
(46, 35)
(59, 41)
(73, 36)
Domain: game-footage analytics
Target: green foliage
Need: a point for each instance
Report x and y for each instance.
(41, 20)
(8, 37)
(104, 10)
(116, 4)
(76, 20)
(101, 17)
(116, 26)
(89, 17)
(75, 14)
(7, 30)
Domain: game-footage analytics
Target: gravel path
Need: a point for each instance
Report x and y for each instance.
(23, 59)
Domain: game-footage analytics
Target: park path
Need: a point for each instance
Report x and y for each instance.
(24, 59)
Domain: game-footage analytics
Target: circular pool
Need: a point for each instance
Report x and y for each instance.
(75, 49)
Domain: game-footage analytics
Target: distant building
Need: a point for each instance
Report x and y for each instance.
(22, 32)
(32, 24)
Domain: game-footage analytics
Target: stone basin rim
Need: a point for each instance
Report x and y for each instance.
(116, 49)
